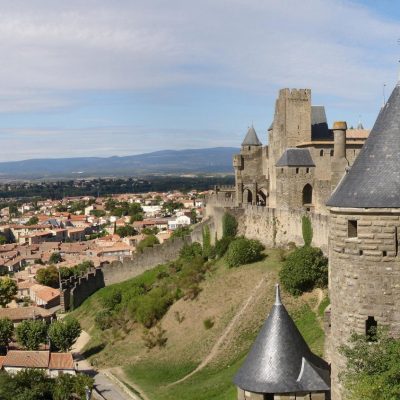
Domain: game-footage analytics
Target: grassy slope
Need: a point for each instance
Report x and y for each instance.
(223, 292)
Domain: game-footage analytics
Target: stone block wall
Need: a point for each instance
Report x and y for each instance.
(364, 277)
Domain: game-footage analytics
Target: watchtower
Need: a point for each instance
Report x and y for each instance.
(364, 262)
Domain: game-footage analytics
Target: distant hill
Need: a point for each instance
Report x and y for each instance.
(211, 160)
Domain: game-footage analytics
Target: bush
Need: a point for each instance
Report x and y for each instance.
(151, 307)
(206, 242)
(208, 323)
(155, 337)
(111, 298)
(243, 251)
(303, 270)
(148, 241)
(221, 246)
(190, 251)
(229, 225)
(103, 320)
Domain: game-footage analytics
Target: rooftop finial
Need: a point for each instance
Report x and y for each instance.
(277, 295)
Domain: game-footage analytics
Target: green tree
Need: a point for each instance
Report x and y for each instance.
(31, 333)
(304, 269)
(3, 239)
(33, 220)
(69, 387)
(6, 331)
(170, 207)
(373, 369)
(307, 230)
(207, 248)
(126, 230)
(48, 276)
(66, 272)
(8, 290)
(148, 241)
(55, 258)
(64, 333)
(229, 225)
(243, 251)
(181, 232)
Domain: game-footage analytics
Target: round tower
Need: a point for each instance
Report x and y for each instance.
(364, 262)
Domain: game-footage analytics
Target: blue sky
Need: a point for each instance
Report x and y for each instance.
(102, 78)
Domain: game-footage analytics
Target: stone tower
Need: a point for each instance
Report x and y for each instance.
(364, 261)
(280, 365)
(248, 167)
(291, 126)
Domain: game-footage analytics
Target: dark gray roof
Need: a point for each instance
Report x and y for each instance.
(294, 157)
(374, 179)
(251, 138)
(319, 124)
(280, 360)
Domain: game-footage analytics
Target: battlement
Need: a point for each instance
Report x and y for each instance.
(295, 94)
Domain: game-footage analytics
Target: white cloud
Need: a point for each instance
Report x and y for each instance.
(335, 47)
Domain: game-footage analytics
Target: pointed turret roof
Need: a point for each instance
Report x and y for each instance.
(280, 360)
(374, 179)
(251, 138)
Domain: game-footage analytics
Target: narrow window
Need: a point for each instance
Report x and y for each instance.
(297, 170)
(360, 252)
(307, 170)
(384, 253)
(331, 153)
(371, 325)
(281, 169)
(321, 153)
(396, 241)
(268, 396)
(351, 228)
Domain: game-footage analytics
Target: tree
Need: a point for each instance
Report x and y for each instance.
(307, 230)
(148, 241)
(181, 232)
(33, 220)
(6, 331)
(8, 290)
(55, 258)
(229, 225)
(68, 387)
(3, 239)
(305, 268)
(170, 207)
(373, 369)
(64, 333)
(48, 276)
(31, 333)
(126, 230)
(207, 248)
(66, 272)
(243, 251)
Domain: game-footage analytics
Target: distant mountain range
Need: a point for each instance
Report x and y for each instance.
(211, 160)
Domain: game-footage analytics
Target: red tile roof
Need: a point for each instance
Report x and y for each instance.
(26, 359)
(61, 361)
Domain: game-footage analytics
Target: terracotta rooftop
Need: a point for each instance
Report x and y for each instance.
(61, 361)
(26, 359)
(22, 313)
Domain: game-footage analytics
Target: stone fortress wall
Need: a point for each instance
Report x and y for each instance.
(77, 289)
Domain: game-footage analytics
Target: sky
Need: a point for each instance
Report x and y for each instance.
(103, 78)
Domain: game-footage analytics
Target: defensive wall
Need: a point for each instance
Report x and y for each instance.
(273, 227)
(76, 290)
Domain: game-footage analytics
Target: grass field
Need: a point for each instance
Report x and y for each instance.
(223, 292)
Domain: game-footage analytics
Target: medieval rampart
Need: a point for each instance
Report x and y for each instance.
(271, 226)
(77, 289)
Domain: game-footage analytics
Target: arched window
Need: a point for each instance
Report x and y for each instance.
(307, 194)
(262, 197)
(321, 153)
(247, 196)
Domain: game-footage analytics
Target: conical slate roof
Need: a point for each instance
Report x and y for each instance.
(280, 360)
(251, 138)
(374, 179)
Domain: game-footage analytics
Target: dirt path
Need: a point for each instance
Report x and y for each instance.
(320, 297)
(225, 333)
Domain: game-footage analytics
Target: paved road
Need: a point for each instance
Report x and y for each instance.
(107, 388)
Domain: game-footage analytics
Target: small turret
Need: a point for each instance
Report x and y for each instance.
(339, 161)
(251, 138)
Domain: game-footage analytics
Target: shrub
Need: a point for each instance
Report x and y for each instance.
(156, 337)
(48, 276)
(243, 251)
(148, 241)
(111, 298)
(229, 225)
(307, 230)
(190, 251)
(151, 307)
(208, 323)
(221, 246)
(303, 270)
(103, 320)
(206, 242)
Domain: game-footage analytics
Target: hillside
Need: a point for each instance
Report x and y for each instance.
(211, 160)
(224, 294)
